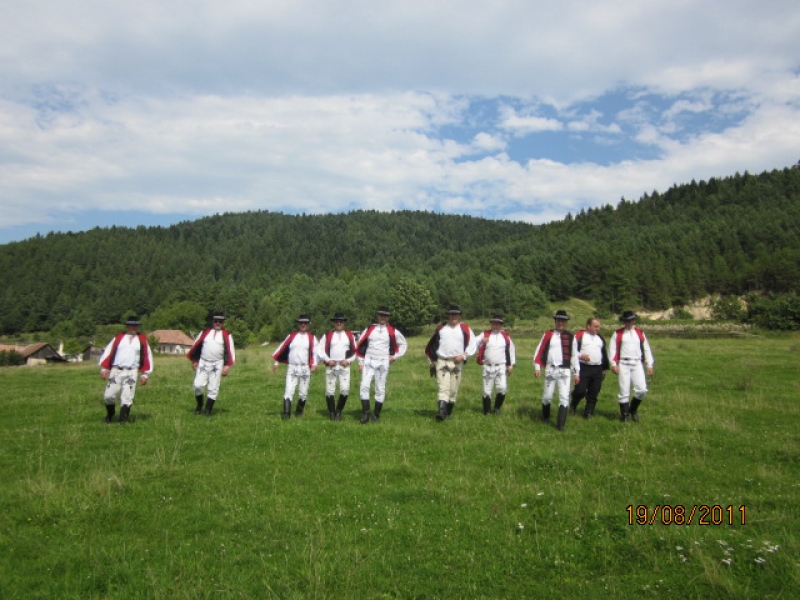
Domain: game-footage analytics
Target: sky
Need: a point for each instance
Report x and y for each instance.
(160, 111)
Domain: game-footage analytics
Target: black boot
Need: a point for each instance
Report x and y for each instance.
(376, 414)
(287, 409)
(545, 413)
(487, 405)
(199, 399)
(331, 407)
(589, 410)
(624, 415)
(574, 404)
(124, 414)
(450, 407)
(111, 409)
(340, 406)
(634, 407)
(301, 406)
(209, 406)
(498, 402)
(442, 414)
(562, 418)
(366, 416)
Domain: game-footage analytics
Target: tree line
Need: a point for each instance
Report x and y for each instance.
(732, 236)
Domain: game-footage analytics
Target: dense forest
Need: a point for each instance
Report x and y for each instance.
(727, 236)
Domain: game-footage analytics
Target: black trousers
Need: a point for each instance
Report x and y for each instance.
(589, 385)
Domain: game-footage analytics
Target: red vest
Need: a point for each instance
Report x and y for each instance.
(432, 349)
(352, 340)
(619, 333)
(363, 343)
(194, 352)
(482, 348)
(144, 357)
(282, 353)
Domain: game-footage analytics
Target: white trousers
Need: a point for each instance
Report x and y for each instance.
(494, 376)
(556, 377)
(298, 377)
(122, 383)
(377, 369)
(208, 376)
(631, 373)
(340, 375)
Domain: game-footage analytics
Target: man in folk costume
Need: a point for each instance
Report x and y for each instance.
(212, 356)
(448, 350)
(497, 354)
(554, 355)
(125, 359)
(590, 348)
(630, 355)
(379, 345)
(335, 350)
(298, 352)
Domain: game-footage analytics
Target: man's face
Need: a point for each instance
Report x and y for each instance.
(593, 326)
(630, 324)
(496, 326)
(454, 318)
(302, 326)
(561, 324)
(132, 329)
(383, 319)
(218, 323)
(338, 324)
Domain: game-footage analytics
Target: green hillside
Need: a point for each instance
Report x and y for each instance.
(728, 236)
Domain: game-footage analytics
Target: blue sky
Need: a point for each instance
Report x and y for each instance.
(155, 112)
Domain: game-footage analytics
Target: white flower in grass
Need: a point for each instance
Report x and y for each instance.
(520, 526)
(727, 561)
(760, 561)
(679, 548)
(523, 506)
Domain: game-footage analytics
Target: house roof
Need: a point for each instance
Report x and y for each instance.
(172, 336)
(28, 350)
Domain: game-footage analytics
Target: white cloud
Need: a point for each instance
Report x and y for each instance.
(195, 107)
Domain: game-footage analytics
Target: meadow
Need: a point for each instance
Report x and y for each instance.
(245, 505)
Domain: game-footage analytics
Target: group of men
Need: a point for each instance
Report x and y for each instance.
(562, 356)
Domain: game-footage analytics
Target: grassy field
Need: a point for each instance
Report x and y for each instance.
(245, 505)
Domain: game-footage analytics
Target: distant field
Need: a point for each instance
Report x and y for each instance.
(244, 505)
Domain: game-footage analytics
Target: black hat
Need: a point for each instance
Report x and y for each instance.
(303, 319)
(218, 315)
(339, 317)
(562, 315)
(133, 320)
(628, 315)
(497, 319)
(382, 310)
(454, 310)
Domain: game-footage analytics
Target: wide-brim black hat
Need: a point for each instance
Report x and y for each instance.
(628, 315)
(339, 317)
(303, 319)
(497, 319)
(133, 320)
(383, 310)
(561, 315)
(454, 310)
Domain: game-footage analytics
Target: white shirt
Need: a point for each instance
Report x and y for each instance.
(214, 346)
(340, 346)
(378, 347)
(298, 349)
(592, 345)
(495, 352)
(631, 349)
(451, 342)
(128, 353)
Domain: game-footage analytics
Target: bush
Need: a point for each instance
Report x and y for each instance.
(775, 311)
(10, 358)
(728, 308)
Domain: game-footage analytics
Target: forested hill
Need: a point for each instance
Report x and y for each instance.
(729, 235)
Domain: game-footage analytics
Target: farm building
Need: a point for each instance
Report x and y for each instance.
(35, 354)
(171, 341)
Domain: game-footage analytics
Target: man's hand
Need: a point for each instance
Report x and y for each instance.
(225, 370)
(143, 380)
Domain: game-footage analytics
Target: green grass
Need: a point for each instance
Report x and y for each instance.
(244, 505)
